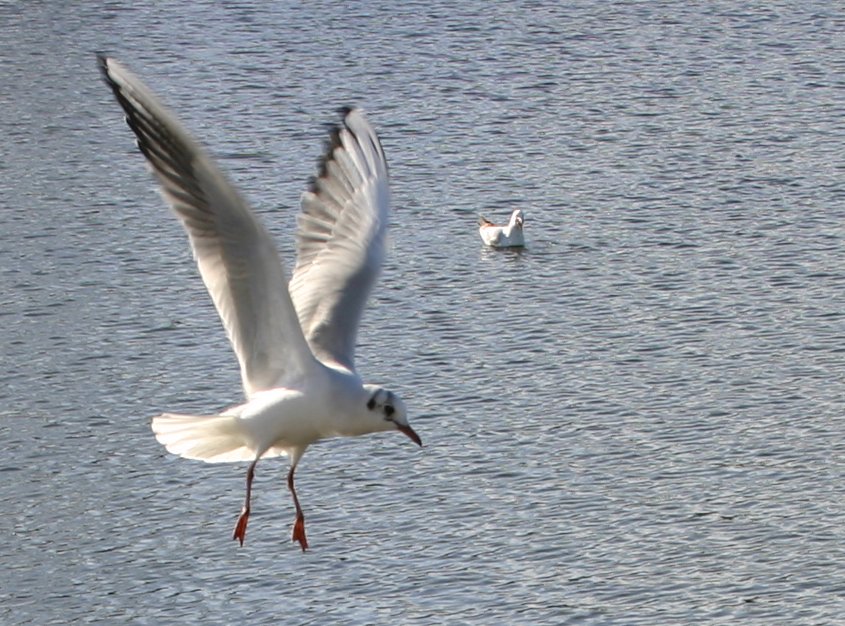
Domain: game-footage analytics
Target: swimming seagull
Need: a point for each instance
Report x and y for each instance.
(295, 341)
(503, 236)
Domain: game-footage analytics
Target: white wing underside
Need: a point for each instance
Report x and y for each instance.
(275, 332)
(340, 241)
(237, 259)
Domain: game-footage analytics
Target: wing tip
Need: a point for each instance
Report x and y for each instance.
(332, 142)
(103, 62)
(108, 66)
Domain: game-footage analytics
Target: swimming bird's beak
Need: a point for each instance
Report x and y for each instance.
(412, 435)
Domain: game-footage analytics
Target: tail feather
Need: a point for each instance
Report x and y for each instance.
(210, 438)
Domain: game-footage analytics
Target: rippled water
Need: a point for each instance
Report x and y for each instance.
(636, 420)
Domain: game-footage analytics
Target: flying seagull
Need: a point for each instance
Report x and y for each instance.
(295, 341)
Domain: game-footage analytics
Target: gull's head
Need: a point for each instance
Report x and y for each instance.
(517, 218)
(386, 411)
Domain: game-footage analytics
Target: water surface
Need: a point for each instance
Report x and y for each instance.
(636, 420)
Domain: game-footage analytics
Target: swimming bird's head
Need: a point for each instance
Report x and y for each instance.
(386, 411)
(517, 218)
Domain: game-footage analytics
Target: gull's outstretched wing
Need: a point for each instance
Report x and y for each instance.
(341, 239)
(236, 256)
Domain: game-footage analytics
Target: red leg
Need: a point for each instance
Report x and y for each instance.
(298, 524)
(240, 527)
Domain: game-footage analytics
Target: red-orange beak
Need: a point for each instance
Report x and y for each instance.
(412, 435)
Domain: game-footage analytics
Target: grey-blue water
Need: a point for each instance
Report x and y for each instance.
(637, 420)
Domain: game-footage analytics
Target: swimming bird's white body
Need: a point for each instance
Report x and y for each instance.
(295, 342)
(509, 236)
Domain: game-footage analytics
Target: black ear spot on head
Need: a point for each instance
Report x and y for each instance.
(389, 410)
(371, 403)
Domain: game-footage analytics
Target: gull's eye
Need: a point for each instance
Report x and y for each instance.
(389, 410)
(371, 403)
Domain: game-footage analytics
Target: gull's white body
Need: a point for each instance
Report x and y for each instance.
(295, 342)
(509, 236)
(289, 418)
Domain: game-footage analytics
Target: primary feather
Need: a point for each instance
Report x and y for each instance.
(340, 241)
